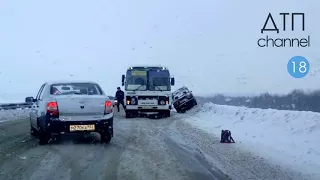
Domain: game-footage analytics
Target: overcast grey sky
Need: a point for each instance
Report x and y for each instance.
(209, 46)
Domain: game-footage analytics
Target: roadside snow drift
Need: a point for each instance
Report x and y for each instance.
(14, 114)
(289, 138)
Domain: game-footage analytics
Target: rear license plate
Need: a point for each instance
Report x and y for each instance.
(89, 127)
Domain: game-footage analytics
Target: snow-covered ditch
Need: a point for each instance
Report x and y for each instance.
(289, 138)
(13, 114)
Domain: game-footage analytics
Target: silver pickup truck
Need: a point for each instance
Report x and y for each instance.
(70, 107)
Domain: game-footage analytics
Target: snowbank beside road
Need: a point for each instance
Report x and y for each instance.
(6, 98)
(288, 138)
(13, 114)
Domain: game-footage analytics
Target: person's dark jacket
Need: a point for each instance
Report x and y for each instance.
(120, 95)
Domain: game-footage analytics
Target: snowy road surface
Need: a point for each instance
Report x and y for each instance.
(288, 138)
(142, 149)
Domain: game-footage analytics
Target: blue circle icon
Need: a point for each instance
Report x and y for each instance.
(298, 67)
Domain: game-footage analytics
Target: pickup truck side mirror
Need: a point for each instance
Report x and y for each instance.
(29, 99)
(172, 82)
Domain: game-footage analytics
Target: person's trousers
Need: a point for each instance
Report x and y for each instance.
(118, 105)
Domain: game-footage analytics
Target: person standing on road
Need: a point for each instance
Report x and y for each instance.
(120, 98)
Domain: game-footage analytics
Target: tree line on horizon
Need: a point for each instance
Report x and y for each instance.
(297, 100)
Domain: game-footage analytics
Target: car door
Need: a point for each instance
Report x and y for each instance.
(35, 107)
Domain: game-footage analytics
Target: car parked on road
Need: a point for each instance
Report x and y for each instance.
(114, 100)
(183, 100)
(70, 107)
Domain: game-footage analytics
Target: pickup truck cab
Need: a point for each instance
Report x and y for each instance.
(70, 107)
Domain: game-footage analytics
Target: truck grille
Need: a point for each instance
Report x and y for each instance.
(147, 97)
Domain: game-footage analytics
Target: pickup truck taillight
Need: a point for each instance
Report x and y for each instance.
(52, 108)
(108, 107)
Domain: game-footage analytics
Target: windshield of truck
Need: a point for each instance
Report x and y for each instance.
(136, 80)
(75, 88)
(159, 80)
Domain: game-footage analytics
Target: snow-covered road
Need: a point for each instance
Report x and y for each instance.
(174, 148)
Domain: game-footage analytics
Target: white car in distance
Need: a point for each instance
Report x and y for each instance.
(71, 107)
(114, 100)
